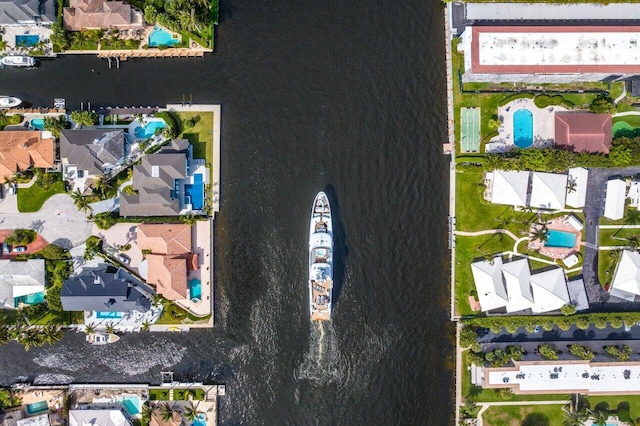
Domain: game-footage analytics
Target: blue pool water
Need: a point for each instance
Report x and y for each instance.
(523, 128)
(195, 192)
(160, 37)
(37, 123)
(195, 289)
(115, 315)
(37, 407)
(27, 40)
(148, 130)
(131, 404)
(557, 238)
(30, 299)
(200, 420)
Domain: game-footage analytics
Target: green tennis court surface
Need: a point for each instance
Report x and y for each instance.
(469, 129)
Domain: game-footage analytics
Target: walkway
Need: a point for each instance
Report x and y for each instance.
(622, 95)
(487, 232)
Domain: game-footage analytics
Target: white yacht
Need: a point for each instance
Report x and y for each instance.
(320, 260)
(9, 102)
(18, 61)
(102, 338)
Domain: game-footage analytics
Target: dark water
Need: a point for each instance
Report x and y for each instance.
(343, 95)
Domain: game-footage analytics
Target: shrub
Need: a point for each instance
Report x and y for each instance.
(21, 237)
(600, 323)
(568, 309)
(548, 351)
(615, 322)
(468, 336)
(603, 104)
(171, 121)
(105, 220)
(93, 245)
(543, 101)
(582, 352)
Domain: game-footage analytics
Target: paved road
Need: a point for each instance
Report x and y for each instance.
(58, 221)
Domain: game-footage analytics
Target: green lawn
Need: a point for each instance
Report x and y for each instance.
(526, 415)
(31, 199)
(631, 120)
(613, 401)
(174, 314)
(183, 394)
(200, 135)
(617, 237)
(158, 394)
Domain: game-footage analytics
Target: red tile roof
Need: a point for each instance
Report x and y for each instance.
(20, 150)
(583, 131)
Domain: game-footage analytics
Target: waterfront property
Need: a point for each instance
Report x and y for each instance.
(147, 128)
(562, 237)
(101, 14)
(21, 282)
(581, 131)
(23, 150)
(26, 25)
(546, 191)
(160, 36)
(168, 183)
(511, 287)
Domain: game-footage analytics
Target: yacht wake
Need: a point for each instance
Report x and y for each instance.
(322, 364)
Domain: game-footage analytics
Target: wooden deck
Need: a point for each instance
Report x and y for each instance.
(321, 288)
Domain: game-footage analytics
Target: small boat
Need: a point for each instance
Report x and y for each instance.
(320, 260)
(18, 61)
(102, 338)
(9, 102)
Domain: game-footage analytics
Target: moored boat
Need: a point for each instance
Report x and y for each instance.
(102, 338)
(321, 260)
(9, 102)
(18, 61)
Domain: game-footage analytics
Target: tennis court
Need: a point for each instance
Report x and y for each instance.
(469, 129)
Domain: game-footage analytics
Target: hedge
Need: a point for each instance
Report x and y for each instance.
(543, 101)
(615, 319)
(171, 121)
(514, 97)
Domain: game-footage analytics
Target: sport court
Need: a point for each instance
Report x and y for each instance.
(469, 129)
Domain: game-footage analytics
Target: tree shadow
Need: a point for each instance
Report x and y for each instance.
(536, 419)
(37, 225)
(340, 247)
(601, 406)
(64, 243)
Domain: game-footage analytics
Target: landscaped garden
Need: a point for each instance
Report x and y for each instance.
(174, 314)
(197, 128)
(524, 415)
(32, 198)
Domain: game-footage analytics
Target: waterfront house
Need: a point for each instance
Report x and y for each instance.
(99, 417)
(581, 131)
(577, 187)
(101, 14)
(170, 258)
(615, 199)
(511, 287)
(21, 150)
(507, 187)
(100, 290)
(168, 183)
(548, 191)
(626, 281)
(87, 154)
(21, 281)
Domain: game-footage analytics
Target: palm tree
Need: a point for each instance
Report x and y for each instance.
(5, 334)
(146, 414)
(30, 337)
(540, 233)
(572, 185)
(190, 412)
(145, 326)
(600, 417)
(103, 186)
(166, 412)
(81, 202)
(634, 242)
(51, 333)
(110, 328)
(574, 416)
(89, 328)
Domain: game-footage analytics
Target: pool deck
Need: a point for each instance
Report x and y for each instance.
(557, 224)
(543, 124)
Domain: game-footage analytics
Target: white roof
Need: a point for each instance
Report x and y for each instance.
(614, 201)
(575, 222)
(634, 193)
(549, 290)
(20, 278)
(98, 418)
(492, 293)
(41, 420)
(510, 187)
(577, 187)
(548, 190)
(566, 377)
(626, 282)
(516, 276)
(550, 11)
(578, 294)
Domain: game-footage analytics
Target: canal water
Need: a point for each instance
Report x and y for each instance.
(345, 96)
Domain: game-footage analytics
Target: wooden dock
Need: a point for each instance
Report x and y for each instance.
(123, 55)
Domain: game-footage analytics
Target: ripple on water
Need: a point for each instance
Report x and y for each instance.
(323, 363)
(52, 379)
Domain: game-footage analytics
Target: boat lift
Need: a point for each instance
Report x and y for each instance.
(116, 61)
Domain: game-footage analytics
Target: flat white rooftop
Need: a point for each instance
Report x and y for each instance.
(566, 376)
(553, 49)
(545, 11)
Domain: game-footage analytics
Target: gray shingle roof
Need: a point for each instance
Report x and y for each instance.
(17, 11)
(91, 149)
(154, 179)
(98, 290)
(20, 278)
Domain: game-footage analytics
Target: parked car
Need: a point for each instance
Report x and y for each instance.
(124, 258)
(18, 249)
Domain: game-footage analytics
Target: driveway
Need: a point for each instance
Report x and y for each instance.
(122, 234)
(58, 221)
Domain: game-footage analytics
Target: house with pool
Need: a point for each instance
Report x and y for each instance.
(168, 183)
(26, 25)
(21, 283)
(23, 149)
(110, 296)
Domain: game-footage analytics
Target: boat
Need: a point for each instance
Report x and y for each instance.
(18, 61)
(9, 102)
(102, 338)
(320, 260)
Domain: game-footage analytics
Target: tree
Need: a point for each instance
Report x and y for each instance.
(55, 125)
(146, 414)
(84, 118)
(600, 417)
(105, 220)
(21, 237)
(93, 245)
(89, 328)
(81, 202)
(603, 104)
(146, 326)
(568, 309)
(51, 333)
(633, 241)
(548, 351)
(103, 187)
(30, 337)
(166, 412)
(190, 412)
(540, 233)
(59, 36)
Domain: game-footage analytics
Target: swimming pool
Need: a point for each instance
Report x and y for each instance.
(115, 315)
(30, 299)
(27, 40)
(195, 290)
(149, 129)
(523, 128)
(200, 420)
(37, 123)
(160, 37)
(194, 193)
(131, 403)
(37, 407)
(557, 238)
